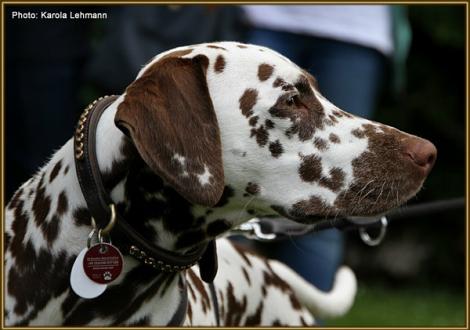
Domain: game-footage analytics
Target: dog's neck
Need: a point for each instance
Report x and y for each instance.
(151, 206)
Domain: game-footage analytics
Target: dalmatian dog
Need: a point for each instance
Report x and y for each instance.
(207, 137)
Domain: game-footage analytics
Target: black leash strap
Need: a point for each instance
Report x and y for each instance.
(272, 229)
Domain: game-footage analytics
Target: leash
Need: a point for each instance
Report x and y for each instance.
(275, 229)
(106, 217)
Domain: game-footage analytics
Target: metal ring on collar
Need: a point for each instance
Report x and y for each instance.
(110, 225)
(365, 237)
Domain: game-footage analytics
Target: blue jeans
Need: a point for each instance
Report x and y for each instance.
(350, 76)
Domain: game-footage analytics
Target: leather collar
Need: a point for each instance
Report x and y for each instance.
(98, 202)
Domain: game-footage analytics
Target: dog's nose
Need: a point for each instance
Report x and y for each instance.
(422, 152)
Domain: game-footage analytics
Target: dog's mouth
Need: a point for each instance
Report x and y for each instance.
(349, 205)
(315, 218)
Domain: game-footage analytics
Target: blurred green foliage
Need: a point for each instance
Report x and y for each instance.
(379, 305)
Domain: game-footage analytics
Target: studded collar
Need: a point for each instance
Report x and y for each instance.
(100, 205)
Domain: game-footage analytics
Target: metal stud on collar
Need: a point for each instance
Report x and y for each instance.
(79, 135)
(141, 255)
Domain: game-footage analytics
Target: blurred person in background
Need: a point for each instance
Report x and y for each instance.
(348, 49)
(136, 34)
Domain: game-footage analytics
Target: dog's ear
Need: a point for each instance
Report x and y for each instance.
(168, 113)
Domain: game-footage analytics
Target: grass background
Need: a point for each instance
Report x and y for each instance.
(383, 305)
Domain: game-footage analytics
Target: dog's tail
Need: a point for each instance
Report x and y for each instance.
(321, 304)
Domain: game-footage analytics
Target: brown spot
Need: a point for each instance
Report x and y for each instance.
(294, 302)
(242, 252)
(265, 71)
(62, 203)
(264, 292)
(22, 252)
(348, 115)
(241, 46)
(55, 170)
(314, 206)
(235, 308)
(261, 135)
(261, 49)
(268, 124)
(216, 47)
(276, 149)
(66, 170)
(199, 286)
(360, 134)
(320, 144)
(253, 121)
(335, 181)
(271, 279)
(337, 113)
(333, 119)
(15, 199)
(278, 82)
(310, 169)
(255, 318)
(247, 277)
(247, 101)
(82, 217)
(219, 64)
(41, 203)
(329, 122)
(334, 138)
(50, 229)
(252, 188)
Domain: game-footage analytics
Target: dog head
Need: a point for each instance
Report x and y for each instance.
(220, 115)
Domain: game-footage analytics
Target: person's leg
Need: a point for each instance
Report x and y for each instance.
(350, 76)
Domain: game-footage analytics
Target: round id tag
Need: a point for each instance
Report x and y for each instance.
(102, 263)
(80, 283)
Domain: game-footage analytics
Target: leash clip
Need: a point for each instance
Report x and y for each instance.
(252, 229)
(365, 237)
